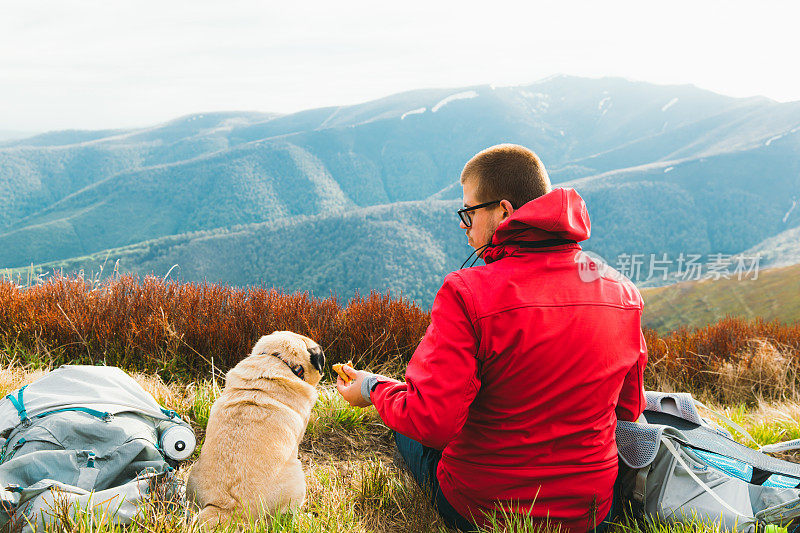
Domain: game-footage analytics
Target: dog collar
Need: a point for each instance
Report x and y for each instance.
(297, 370)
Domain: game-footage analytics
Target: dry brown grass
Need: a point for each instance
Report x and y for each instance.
(15, 376)
(762, 371)
(765, 372)
(731, 360)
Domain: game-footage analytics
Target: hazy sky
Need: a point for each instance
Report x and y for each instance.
(109, 63)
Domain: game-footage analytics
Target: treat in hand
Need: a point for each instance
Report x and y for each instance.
(337, 367)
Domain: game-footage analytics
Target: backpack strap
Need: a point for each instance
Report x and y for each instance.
(671, 448)
(640, 485)
(102, 415)
(784, 446)
(19, 404)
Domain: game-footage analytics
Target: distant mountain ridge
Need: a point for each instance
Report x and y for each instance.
(664, 170)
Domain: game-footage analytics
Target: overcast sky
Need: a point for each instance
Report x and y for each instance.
(109, 63)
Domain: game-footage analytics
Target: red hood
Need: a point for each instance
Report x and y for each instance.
(559, 214)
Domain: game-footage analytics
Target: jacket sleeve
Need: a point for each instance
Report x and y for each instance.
(442, 377)
(631, 398)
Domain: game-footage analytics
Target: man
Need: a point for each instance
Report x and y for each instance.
(511, 399)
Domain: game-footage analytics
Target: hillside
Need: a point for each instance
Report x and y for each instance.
(664, 169)
(406, 248)
(774, 295)
(780, 250)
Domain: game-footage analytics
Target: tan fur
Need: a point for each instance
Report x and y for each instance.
(248, 465)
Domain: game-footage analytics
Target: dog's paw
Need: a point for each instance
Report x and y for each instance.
(210, 518)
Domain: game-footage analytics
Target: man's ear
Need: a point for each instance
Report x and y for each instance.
(508, 209)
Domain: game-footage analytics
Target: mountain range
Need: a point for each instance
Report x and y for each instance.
(362, 197)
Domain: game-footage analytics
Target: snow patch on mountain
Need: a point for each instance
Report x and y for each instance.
(538, 102)
(773, 139)
(604, 104)
(413, 112)
(453, 97)
(228, 125)
(779, 250)
(789, 212)
(327, 120)
(537, 96)
(669, 104)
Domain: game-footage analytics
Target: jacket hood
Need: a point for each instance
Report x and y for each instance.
(559, 214)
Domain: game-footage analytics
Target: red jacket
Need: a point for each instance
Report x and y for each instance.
(523, 372)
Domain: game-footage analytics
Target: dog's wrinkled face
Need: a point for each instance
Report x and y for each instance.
(295, 350)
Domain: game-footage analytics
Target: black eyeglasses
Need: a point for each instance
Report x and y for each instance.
(466, 217)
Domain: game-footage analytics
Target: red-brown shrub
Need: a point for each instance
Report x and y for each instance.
(150, 324)
(695, 360)
(171, 327)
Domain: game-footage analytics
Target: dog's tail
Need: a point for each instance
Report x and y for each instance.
(212, 516)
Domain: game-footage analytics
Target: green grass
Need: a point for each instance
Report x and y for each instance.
(333, 413)
(352, 484)
(203, 394)
(767, 424)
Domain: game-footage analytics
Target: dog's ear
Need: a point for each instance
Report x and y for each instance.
(317, 358)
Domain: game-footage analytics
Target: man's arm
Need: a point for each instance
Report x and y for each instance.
(442, 377)
(631, 398)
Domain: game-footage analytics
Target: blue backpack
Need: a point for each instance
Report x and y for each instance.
(676, 466)
(85, 436)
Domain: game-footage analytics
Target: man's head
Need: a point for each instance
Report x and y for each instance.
(508, 174)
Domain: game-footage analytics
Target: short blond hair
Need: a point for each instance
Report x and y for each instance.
(507, 172)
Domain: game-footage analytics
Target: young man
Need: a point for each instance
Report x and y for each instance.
(511, 399)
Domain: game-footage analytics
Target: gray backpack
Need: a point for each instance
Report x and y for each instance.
(88, 437)
(676, 466)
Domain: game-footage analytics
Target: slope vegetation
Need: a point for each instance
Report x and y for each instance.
(774, 295)
(664, 170)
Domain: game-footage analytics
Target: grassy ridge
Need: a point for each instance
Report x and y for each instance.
(775, 295)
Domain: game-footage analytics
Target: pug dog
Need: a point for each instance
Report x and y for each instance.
(249, 465)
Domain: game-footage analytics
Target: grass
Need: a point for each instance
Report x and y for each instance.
(178, 339)
(353, 487)
(766, 423)
(730, 362)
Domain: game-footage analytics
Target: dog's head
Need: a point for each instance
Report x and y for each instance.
(302, 355)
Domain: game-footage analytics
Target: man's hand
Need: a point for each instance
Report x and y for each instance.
(352, 391)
